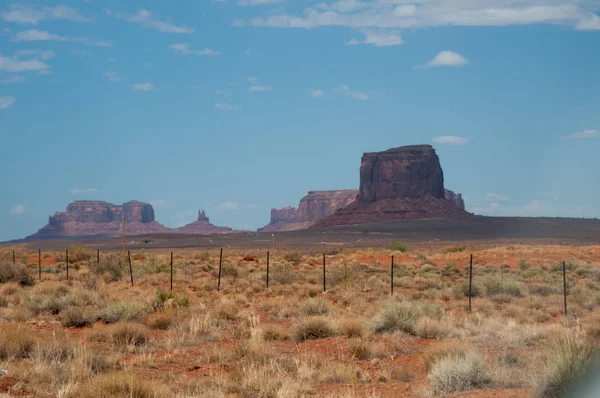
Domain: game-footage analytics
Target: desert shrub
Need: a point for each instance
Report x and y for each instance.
(458, 373)
(360, 349)
(16, 344)
(494, 285)
(404, 315)
(3, 301)
(428, 328)
(201, 256)
(316, 306)
(179, 299)
(124, 334)
(162, 321)
(398, 246)
(450, 269)
(123, 311)
(111, 266)
(444, 350)
(75, 317)
(15, 273)
(568, 362)
(313, 328)
(523, 266)
(79, 253)
(293, 257)
(274, 333)
(152, 265)
(463, 289)
(455, 249)
(351, 327)
(543, 289)
(46, 303)
(118, 385)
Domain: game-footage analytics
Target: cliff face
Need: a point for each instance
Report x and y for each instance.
(202, 226)
(400, 183)
(86, 218)
(455, 198)
(314, 206)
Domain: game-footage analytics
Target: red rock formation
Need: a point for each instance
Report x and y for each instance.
(314, 206)
(454, 198)
(202, 226)
(399, 183)
(85, 218)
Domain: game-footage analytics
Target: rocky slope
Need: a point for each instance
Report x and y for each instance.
(202, 226)
(314, 206)
(454, 198)
(400, 183)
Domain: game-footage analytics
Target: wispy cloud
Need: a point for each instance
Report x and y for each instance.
(257, 88)
(317, 93)
(28, 14)
(255, 3)
(6, 102)
(84, 191)
(450, 140)
(592, 22)
(143, 86)
(12, 79)
(592, 133)
(445, 58)
(378, 38)
(26, 60)
(251, 79)
(17, 209)
(359, 95)
(42, 35)
(112, 76)
(147, 19)
(496, 197)
(229, 206)
(227, 107)
(184, 48)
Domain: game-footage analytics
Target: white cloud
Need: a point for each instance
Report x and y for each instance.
(592, 133)
(590, 23)
(112, 76)
(260, 88)
(145, 18)
(109, 60)
(317, 93)
(432, 13)
(255, 3)
(183, 48)
(85, 191)
(251, 79)
(224, 93)
(227, 107)
(451, 140)
(27, 14)
(342, 88)
(42, 35)
(378, 38)
(229, 206)
(37, 35)
(445, 58)
(496, 197)
(6, 102)
(143, 86)
(12, 79)
(16, 63)
(17, 209)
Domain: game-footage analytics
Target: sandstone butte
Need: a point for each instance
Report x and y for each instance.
(400, 183)
(87, 218)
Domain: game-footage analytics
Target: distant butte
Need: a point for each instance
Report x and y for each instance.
(202, 226)
(400, 183)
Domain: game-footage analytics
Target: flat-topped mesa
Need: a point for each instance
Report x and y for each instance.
(314, 206)
(405, 172)
(455, 198)
(88, 218)
(202, 226)
(400, 183)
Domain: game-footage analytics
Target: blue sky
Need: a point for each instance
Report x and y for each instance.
(240, 106)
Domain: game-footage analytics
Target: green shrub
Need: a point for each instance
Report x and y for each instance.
(455, 249)
(313, 328)
(15, 273)
(455, 374)
(495, 285)
(75, 317)
(125, 334)
(316, 306)
(398, 246)
(293, 257)
(123, 311)
(523, 266)
(404, 315)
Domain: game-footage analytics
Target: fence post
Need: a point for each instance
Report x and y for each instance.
(130, 268)
(268, 269)
(470, 281)
(67, 261)
(40, 264)
(392, 278)
(220, 266)
(171, 271)
(13, 256)
(565, 285)
(97, 256)
(324, 278)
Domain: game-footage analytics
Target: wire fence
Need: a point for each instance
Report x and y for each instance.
(468, 281)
